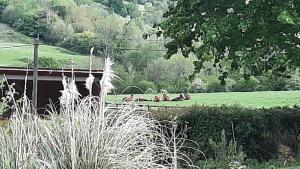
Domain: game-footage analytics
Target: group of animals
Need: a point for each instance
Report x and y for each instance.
(165, 97)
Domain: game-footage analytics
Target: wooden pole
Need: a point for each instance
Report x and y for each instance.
(35, 73)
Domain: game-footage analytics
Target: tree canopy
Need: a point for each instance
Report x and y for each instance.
(252, 36)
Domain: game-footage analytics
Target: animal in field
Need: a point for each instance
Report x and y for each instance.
(179, 98)
(187, 96)
(128, 99)
(166, 97)
(157, 99)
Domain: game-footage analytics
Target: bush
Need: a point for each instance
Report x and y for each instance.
(82, 42)
(47, 62)
(3, 5)
(172, 74)
(246, 85)
(11, 14)
(28, 23)
(197, 86)
(226, 152)
(273, 83)
(147, 86)
(258, 131)
(58, 31)
(215, 86)
(133, 10)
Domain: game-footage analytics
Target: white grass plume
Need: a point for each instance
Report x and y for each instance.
(90, 80)
(108, 76)
(69, 92)
(89, 83)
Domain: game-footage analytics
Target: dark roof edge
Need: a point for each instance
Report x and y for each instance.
(48, 69)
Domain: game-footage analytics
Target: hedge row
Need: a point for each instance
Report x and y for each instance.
(258, 131)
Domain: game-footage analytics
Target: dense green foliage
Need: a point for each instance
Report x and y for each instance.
(80, 23)
(118, 7)
(3, 5)
(171, 75)
(258, 131)
(208, 81)
(48, 62)
(251, 37)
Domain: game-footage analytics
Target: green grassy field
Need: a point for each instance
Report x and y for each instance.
(14, 56)
(248, 99)
(19, 56)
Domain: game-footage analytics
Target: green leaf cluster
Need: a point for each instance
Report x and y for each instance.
(252, 38)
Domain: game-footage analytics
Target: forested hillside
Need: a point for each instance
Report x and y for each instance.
(113, 27)
(83, 23)
(123, 30)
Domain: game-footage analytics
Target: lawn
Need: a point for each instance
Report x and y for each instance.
(13, 53)
(19, 56)
(248, 99)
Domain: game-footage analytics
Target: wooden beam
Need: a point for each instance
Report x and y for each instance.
(35, 73)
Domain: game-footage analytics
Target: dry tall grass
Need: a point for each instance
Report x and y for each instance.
(86, 134)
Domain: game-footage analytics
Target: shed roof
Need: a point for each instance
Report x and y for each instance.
(15, 73)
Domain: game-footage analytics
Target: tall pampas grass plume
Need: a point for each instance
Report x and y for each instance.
(106, 84)
(108, 76)
(69, 92)
(90, 80)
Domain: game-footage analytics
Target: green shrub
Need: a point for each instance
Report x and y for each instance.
(273, 83)
(11, 14)
(215, 86)
(3, 5)
(246, 85)
(133, 10)
(82, 42)
(58, 31)
(47, 62)
(29, 23)
(226, 152)
(146, 85)
(258, 131)
(197, 86)
(118, 7)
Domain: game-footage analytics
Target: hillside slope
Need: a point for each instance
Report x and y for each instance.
(7, 34)
(16, 50)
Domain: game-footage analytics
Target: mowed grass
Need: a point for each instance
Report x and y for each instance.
(247, 99)
(12, 56)
(15, 52)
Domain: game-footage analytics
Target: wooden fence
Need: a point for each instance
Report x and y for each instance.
(148, 107)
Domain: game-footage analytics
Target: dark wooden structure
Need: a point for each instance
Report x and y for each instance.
(49, 83)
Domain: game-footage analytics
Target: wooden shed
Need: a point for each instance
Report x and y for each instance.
(49, 82)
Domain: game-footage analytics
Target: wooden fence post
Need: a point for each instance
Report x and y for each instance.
(35, 73)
